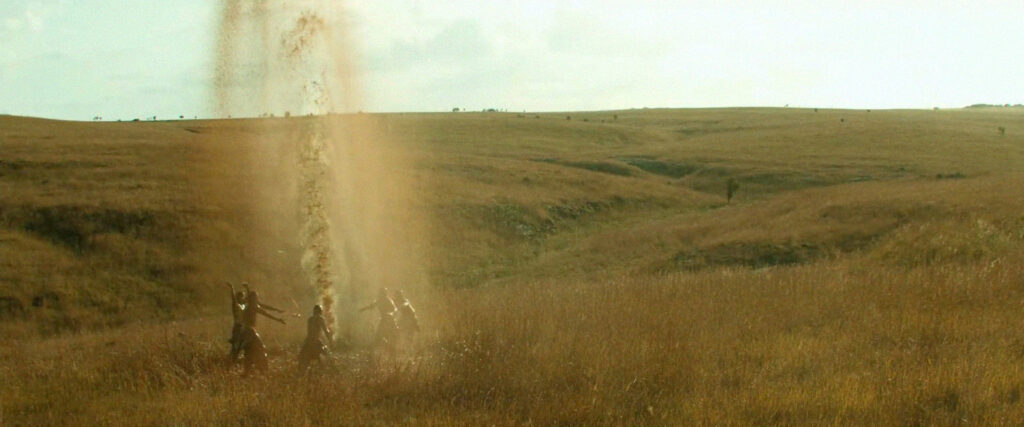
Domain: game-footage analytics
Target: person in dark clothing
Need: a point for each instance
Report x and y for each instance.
(314, 348)
(252, 344)
(237, 306)
(408, 323)
(387, 329)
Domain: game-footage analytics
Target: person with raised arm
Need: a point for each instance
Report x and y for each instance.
(237, 307)
(387, 329)
(408, 323)
(252, 344)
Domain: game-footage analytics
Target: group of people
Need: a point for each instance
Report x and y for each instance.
(397, 322)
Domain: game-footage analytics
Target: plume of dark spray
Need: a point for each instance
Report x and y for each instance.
(224, 57)
(242, 66)
(278, 56)
(298, 46)
(319, 254)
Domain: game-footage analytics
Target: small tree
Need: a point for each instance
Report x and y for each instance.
(730, 189)
(1002, 130)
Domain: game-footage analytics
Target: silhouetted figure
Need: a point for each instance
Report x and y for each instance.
(237, 306)
(314, 349)
(263, 305)
(408, 323)
(252, 344)
(387, 329)
(238, 303)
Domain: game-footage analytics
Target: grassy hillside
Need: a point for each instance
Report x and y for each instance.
(586, 268)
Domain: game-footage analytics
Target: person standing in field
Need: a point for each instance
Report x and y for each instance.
(252, 344)
(238, 303)
(387, 329)
(262, 304)
(408, 323)
(237, 307)
(314, 348)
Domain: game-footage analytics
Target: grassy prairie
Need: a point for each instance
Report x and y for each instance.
(585, 268)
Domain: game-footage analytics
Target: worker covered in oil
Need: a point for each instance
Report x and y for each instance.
(238, 303)
(237, 306)
(251, 343)
(408, 323)
(314, 349)
(387, 329)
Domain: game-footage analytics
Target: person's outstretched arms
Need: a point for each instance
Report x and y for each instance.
(372, 305)
(260, 310)
(271, 308)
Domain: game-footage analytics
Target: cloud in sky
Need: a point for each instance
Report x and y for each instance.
(12, 24)
(85, 58)
(616, 54)
(34, 16)
(76, 59)
(28, 16)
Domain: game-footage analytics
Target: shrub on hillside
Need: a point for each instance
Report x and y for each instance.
(951, 241)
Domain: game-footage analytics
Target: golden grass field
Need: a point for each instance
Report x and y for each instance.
(581, 268)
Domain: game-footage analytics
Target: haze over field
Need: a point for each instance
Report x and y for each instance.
(617, 266)
(329, 184)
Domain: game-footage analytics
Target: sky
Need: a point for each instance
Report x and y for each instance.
(124, 59)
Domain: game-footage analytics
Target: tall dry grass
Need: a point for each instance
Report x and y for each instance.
(848, 343)
(573, 284)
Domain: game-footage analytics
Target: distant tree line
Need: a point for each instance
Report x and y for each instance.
(993, 105)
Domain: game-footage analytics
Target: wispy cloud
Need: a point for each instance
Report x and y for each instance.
(12, 24)
(31, 15)
(73, 59)
(34, 16)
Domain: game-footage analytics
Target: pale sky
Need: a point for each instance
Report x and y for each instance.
(75, 59)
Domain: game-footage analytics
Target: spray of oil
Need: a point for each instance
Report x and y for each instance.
(337, 174)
